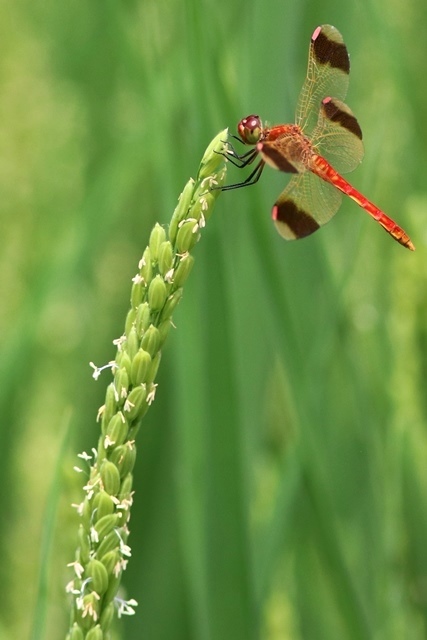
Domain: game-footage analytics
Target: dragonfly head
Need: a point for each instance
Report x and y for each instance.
(250, 129)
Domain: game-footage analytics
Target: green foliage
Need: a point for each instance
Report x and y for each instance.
(280, 483)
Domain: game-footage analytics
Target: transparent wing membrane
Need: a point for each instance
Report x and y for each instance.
(337, 136)
(306, 204)
(327, 75)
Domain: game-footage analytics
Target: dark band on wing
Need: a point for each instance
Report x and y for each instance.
(276, 157)
(299, 222)
(327, 51)
(345, 118)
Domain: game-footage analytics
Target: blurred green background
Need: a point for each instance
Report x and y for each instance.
(281, 481)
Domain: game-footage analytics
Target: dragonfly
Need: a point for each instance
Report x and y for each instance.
(324, 142)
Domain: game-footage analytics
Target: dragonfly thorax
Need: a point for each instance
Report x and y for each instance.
(250, 129)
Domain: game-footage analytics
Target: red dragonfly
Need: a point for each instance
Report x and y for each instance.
(325, 140)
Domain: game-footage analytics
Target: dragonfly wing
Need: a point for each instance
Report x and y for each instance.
(327, 75)
(306, 204)
(338, 136)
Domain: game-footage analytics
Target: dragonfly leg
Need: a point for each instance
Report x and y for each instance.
(251, 179)
(239, 160)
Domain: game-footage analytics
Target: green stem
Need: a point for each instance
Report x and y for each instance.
(102, 552)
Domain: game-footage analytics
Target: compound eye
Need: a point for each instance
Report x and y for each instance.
(250, 129)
